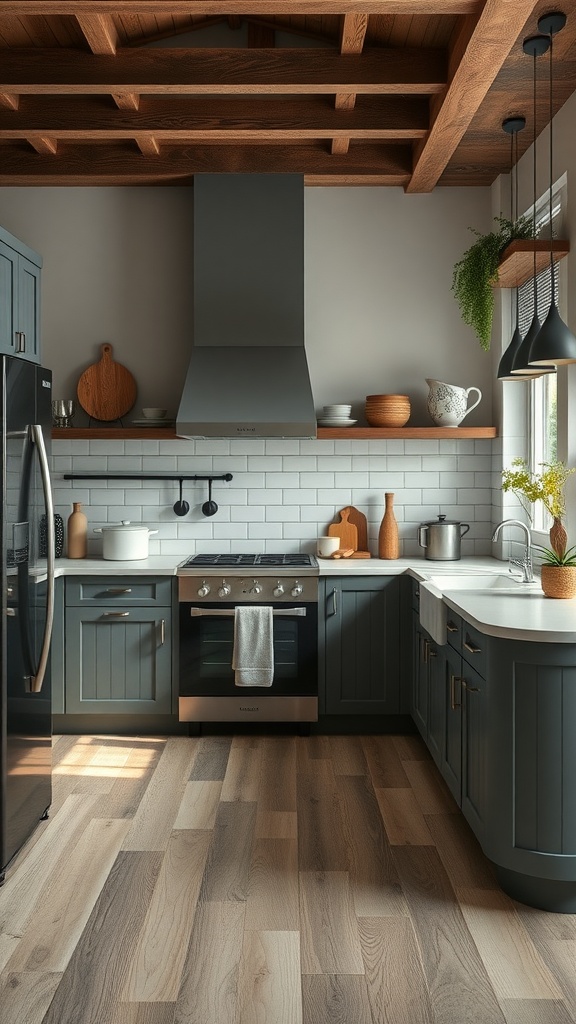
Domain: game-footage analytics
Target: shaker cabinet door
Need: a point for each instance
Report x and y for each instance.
(119, 661)
(362, 646)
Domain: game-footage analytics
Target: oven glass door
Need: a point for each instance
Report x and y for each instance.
(207, 642)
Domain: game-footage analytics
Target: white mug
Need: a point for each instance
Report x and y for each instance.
(326, 546)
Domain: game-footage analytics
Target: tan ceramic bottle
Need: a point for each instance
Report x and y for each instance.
(77, 532)
(388, 542)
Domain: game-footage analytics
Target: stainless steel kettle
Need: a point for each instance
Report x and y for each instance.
(441, 539)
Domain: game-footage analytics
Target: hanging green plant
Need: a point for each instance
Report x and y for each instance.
(477, 271)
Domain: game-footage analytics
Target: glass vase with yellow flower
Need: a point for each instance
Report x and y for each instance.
(558, 561)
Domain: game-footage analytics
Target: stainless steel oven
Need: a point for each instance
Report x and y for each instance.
(210, 587)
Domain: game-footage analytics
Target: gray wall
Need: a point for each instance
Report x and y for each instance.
(380, 315)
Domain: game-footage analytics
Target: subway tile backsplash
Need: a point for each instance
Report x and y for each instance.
(284, 492)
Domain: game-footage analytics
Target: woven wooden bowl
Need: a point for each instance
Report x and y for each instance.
(559, 580)
(387, 410)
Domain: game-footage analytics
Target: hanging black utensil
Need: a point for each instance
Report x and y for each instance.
(209, 508)
(181, 507)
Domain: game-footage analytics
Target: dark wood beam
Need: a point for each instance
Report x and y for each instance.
(99, 31)
(352, 35)
(201, 71)
(214, 118)
(20, 8)
(122, 164)
(480, 57)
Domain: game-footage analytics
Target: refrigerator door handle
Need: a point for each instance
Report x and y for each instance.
(38, 438)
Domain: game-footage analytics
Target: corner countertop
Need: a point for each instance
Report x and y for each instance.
(527, 615)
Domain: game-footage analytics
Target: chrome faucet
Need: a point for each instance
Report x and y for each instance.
(525, 563)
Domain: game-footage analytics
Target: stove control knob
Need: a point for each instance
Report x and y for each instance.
(225, 589)
(257, 588)
(204, 589)
(278, 589)
(297, 589)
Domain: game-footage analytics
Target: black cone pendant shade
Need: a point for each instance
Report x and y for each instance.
(555, 342)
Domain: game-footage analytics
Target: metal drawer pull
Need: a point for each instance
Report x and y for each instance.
(472, 648)
(471, 689)
(116, 615)
(453, 680)
(451, 627)
(119, 590)
(425, 649)
(334, 604)
(162, 632)
(11, 612)
(211, 612)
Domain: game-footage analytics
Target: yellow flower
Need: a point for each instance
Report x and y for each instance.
(547, 486)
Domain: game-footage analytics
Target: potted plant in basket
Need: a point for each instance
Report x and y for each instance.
(558, 561)
(475, 274)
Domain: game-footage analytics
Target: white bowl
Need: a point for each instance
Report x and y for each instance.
(154, 414)
(337, 410)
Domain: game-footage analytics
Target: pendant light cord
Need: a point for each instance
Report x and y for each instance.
(534, 180)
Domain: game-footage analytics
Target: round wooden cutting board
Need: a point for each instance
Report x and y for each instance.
(106, 390)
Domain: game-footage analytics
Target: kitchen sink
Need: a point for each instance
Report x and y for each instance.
(502, 584)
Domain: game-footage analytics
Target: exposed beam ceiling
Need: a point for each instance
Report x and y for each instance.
(408, 93)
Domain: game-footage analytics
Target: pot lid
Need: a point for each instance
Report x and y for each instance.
(442, 521)
(125, 527)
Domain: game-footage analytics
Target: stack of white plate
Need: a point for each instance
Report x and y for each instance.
(336, 416)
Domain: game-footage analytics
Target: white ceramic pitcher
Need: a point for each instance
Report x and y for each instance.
(448, 404)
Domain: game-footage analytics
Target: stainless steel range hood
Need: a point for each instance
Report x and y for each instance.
(248, 373)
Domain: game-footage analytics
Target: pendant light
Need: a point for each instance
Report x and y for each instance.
(535, 46)
(555, 342)
(512, 126)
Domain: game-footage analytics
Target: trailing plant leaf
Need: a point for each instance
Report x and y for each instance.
(474, 275)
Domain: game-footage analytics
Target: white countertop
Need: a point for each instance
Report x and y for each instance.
(527, 615)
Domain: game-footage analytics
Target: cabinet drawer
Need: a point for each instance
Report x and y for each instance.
(119, 590)
(474, 648)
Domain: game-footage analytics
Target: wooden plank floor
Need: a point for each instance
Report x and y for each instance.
(267, 880)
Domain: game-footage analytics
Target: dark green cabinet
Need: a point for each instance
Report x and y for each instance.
(448, 708)
(360, 645)
(118, 646)
(20, 270)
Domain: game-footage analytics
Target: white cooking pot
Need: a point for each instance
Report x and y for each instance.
(124, 541)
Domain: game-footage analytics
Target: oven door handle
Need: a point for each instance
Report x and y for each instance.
(211, 612)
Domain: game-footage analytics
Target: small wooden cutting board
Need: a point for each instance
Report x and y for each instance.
(345, 530)
(106, 390)
(359, 520)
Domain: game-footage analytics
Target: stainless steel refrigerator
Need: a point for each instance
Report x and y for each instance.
(27, 602)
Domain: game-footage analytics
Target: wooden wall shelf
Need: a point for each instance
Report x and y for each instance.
(334, 433)
(517, 263)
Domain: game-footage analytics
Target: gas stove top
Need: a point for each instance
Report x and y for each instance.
(241, 564)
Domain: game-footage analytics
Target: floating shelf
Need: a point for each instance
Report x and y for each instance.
(517, 262)
(167, 434)
(414, 432)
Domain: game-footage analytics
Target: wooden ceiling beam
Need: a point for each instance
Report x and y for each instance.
(217, 118)
(204, 71)
(352, 36)
(99, 31)
(44, 146)
(148, 145)
(9, 100)
(124, 165)
(45, 8)
(475, 66)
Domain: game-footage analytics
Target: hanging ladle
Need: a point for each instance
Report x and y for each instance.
(181, 507)
(209, 508)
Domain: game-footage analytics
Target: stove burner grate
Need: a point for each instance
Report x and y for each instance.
(250, 561)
